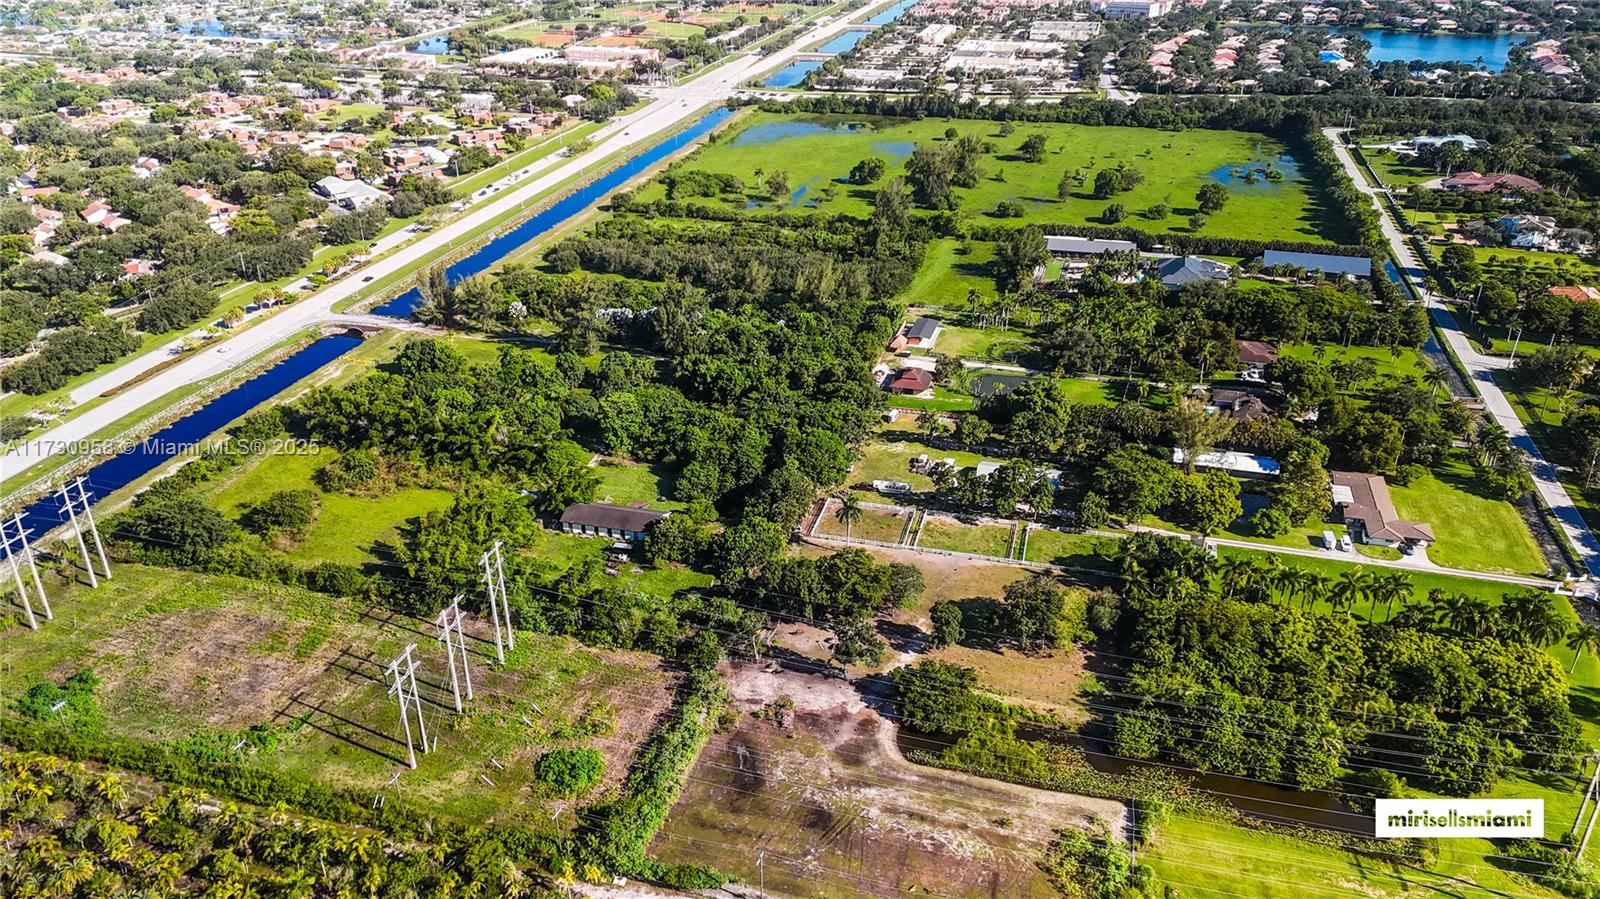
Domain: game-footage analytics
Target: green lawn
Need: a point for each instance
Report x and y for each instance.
(352, 529)
(881, 525)
(940, 532)
(1476, 532)
(1407, 363)
(983, 343)
(889, 460)
(1565, 267)
(623, 482)
(950, 270)
(1397, 172)
(817, 150)
(1070, 550)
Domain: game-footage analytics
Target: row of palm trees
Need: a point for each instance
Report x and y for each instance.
(1531, 617)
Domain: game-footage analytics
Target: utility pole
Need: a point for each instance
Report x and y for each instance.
(403, 672)
(72, 505)
(494, 583)
(21, 548)
(449, 623)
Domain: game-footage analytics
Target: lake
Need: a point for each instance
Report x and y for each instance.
(892, 13)
(1405, 46)
(1251, 175)
(843, 42)
(433, 46)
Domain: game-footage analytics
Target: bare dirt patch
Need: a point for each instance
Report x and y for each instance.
(838, 811)
(210, 664)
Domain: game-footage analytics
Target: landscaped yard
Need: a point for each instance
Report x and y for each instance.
(950, 270)
(623, 482)
(1475, 531)
(819, 151)
(942, 532)
(889, 460)
(1407, 363)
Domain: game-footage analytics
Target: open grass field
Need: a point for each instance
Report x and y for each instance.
(878, 524)
(818, 152)
(943, 532)
(623, 481)
(1398, 172)
(1408, 363)
(889, 460)
(1070, 550)
(1476, 532)
(352, 529)
(1565, 267)
(950, 270)
(652, 18)
(186, 656)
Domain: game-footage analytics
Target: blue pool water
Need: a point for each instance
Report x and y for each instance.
(182, 435)
(560, 211)
(793, 73)
(843, 42)
(1405, 46)
(432, 46)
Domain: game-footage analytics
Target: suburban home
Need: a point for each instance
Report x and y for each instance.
(1239, 405)
(1086, 247)
(628, 523)
(1530, 232)
(1499, 183)
(1181, 270)
(1364, 503)
(1347, 266)
(1429, 142)
(922, 333)
(916, 382)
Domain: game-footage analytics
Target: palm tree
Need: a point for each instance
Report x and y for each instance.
(1315, 588)
(1392, 587)
(1350, 588)
(1435, 377)
(849, 513)
(1236, 575)
(1582, 637)
(1465, 615)
(1533, 618)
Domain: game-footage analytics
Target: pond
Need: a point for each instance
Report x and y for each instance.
(995, 383)
(843, 42)
(793, 74)
(781, 130)
(559, 211)
(1262, 172)
(1489, 51)
(433, 46)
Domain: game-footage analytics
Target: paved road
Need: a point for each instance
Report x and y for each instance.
(669, 107)
(1480, 368)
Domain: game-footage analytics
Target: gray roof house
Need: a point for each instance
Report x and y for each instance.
(1062, 245)
(349, 194)
(1180, 270)
(606, 520)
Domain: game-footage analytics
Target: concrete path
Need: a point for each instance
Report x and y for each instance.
(1480, 368)
(670, 107)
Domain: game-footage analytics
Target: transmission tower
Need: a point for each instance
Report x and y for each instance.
(494, 583)
(19, 553)
(449, 622)
(74, 505)
(403, 673)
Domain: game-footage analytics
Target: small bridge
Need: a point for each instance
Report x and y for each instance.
(366, 324)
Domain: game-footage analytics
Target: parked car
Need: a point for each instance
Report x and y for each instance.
(1346, 544)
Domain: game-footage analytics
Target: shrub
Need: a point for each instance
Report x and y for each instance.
(285, 512)
(570, 772)
(349, 472)
(1270, 521)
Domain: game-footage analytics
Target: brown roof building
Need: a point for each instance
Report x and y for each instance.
(605, 520)
(1473, 182)
(1255, 352)
(1364, 501)
(911, 381)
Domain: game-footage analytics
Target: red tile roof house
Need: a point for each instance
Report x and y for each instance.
(1255, 352)
(1368, 510)
(1472, 182)
(916, 382)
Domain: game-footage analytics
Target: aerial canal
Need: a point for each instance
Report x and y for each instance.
(187, 433)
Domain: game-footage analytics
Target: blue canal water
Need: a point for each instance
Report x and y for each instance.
(843, 42)
(892, 13)
(560, 211)
(185, 434)
(432, 46)
(1405, 46)
(793, 73)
